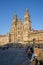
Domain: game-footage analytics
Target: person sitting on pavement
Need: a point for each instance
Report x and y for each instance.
(36, 54)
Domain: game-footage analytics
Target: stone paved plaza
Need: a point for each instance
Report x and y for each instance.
(12, 56)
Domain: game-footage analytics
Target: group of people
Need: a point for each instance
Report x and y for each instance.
(33, 52)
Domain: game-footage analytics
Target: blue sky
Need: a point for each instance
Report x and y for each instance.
(9, 7)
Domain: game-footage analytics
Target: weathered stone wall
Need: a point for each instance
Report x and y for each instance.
(4, 39)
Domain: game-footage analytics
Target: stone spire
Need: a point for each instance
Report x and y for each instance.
(27, 14)
(14, 19)
(15, 16)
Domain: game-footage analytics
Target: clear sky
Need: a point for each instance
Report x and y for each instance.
(9, 7)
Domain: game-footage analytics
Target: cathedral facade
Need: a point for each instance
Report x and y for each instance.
(22, 33)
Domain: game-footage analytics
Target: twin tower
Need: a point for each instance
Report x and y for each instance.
(19, 32)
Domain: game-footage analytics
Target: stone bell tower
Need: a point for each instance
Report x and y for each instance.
(27, 26)
(13, 29)
(27, 22)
